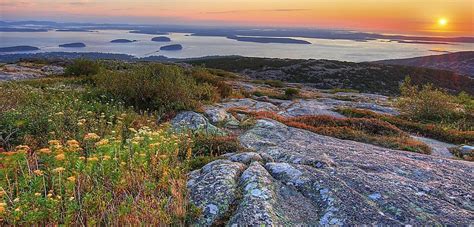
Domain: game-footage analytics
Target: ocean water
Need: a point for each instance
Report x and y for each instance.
(196, 46)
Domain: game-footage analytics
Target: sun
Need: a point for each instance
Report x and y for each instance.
(442, 22)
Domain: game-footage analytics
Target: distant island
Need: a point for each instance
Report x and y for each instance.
(7, 29)
(149, 32)
(71, 45)
(172, 47)
(122, 41)
(161, 39)
(422, 42)
(73, 30)
(18, 48)
(268, 40)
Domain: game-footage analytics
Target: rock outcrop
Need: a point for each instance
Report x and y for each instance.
(296, 177)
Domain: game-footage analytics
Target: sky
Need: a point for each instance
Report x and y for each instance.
(433, 17)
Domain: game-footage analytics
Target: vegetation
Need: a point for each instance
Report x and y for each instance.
(291, 93)
(273, 83)
(88, 151)
(365, 130)
(82, 67)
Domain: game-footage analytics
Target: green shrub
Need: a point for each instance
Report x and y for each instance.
(158, 87)
(427, 104)
(82, 67)
(291, 93)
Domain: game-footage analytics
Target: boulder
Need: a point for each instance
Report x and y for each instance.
(193, 121)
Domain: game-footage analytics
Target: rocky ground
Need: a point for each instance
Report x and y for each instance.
(28, 71)
(292, 176)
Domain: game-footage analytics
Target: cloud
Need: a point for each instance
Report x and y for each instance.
(256, 10)
(15, 4)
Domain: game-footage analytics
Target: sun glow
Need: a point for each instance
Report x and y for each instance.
(442, 22)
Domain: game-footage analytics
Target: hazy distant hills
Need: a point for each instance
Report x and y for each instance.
(460, 62)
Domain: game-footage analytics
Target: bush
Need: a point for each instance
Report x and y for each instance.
(291, 93)
(157, 87)
(82, 67)
(427, 104)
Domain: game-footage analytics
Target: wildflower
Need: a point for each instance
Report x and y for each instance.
(49, 195)
(142, 154)
(16, 200)
(37, 194)
(71, 198)
(59, 170)
(123, 163)
(44, 151)
(102, 142)
(22, 148)
(38, 172)
(18, 209)
(2, 192)
(54, 142)
(72, 143)
(106, 157)
(132, 130)
(2, 207)
(59, 197)
(59, 113)
(80, 124)
(91, 136)
(60, 157)
(82, 158)
(72, 179)
(93, 159)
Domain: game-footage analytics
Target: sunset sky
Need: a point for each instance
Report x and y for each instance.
(434, 17)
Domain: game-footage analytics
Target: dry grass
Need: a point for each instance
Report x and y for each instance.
(371, 131)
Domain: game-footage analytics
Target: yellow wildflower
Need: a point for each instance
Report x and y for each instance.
(58, 170)
(54, 142)
(18, 209)
(44, 151)
(72, 179)
(91, 136)
(82, 158)
(71, 198)
(59, 113)
(16, 200)
(102, 142)
(106, 157)
(2, 208)
(37, 194)
(132, 130)
(60, 157)
(21, 148)
(38, 172)
(50, 195)
(72, 143)
(93, 159)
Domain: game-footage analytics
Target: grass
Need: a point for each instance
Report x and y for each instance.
(372, 131)
(98, 181)
(430, 130)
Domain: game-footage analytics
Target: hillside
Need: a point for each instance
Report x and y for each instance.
(461, 62)
(328, 74)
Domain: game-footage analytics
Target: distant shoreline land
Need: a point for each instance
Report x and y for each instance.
(18, 49)
(73, 45)
(268, 40)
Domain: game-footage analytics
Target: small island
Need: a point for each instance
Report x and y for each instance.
(73, 45)
(172, 47)
(122, 41)
(268, 40)
(161, 39)
(18, 48)
(73, 30)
